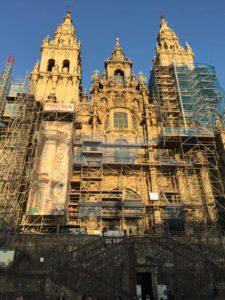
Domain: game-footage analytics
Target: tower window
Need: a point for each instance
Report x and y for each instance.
(51, 65)
(66, 65)
(120, 120)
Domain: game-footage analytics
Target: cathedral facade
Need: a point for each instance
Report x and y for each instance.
(118, 194)
(135, 157)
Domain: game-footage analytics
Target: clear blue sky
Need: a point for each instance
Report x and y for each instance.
(24, 24)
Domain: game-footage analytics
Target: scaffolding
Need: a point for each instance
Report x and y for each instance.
(189, 101)
(56, 126)
(221, 107)
(188, 96)
(5, 82)
(200, 93)
(188, 181)
(17, 147)
(93, 196)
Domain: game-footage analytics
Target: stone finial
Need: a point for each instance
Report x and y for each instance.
(96, 76)
(118, 54)
(163, 24)
(118, 43)
(141, 78)
(133, 76)
(85, 96)
(36, 67)
(104, 75)
(65, 33)
(68, 16)
(188, 48)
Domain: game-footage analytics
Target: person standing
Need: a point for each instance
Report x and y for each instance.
(130, 231)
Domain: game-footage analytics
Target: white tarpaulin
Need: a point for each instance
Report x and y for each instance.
(49, 188)
(6, 257)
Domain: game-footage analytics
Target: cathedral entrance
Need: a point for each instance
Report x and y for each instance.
(145, 281)
(111, 224)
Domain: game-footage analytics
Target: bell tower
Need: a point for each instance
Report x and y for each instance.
(57, 78)
(169, 50)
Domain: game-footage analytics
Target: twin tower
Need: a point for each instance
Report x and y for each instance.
(58, 76)
(126, 159)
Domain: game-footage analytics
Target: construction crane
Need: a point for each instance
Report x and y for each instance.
(5, 82)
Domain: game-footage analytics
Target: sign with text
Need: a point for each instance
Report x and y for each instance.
(59, 107)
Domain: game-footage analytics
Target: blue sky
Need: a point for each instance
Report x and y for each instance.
(24, 24)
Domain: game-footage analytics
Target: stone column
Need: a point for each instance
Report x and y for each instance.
(154, 183)
(208, 194)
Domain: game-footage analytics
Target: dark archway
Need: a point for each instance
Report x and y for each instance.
(51, 65)
(66, 64)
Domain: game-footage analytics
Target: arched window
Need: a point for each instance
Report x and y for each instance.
(66, 65)
(51, 65)
(120, 120)
(121, 153)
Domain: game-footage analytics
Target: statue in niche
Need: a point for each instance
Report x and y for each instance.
(55, 70)
(119, 79)
(135, 104)
(104, 104)
(153, 118)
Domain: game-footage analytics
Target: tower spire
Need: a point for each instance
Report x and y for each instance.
(61, 62)
(169, 49)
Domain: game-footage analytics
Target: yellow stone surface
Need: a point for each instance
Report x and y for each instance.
(124, 177)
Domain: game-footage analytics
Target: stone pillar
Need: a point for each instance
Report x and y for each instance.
(154, 283)
(154, 183)
(158, 221)
(208, 194)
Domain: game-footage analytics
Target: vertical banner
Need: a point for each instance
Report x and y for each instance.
(49, 190)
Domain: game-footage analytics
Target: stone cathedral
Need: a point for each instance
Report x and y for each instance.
(117, 193)
(134, 157)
